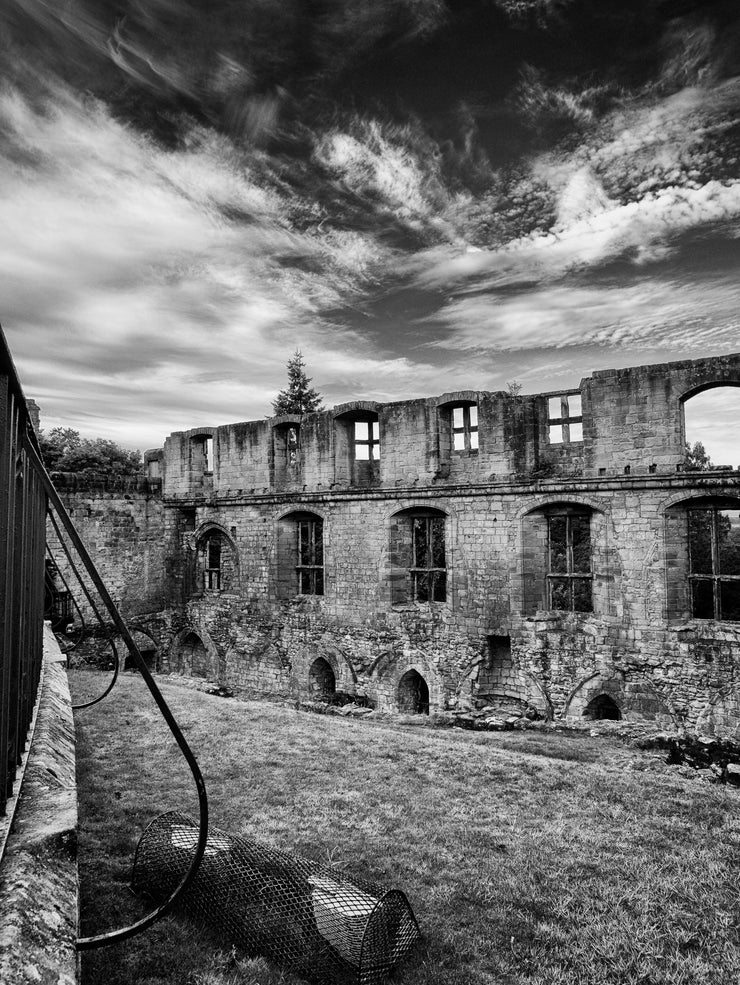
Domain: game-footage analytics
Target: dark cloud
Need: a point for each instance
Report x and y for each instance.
(190, 187)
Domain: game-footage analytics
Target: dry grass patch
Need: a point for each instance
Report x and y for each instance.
(529, 859)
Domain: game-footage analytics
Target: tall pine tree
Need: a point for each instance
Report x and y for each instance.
(299, 397)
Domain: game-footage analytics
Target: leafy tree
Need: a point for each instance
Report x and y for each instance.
(299, 397)
(63, 450)
(696, 457)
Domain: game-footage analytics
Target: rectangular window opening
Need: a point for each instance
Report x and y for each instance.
(310, 549)
(565, 418)
(428, 568)
(569, 578)
(465, 428)
(714, 563)
(367, 441)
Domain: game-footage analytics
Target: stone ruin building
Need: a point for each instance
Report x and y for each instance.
(551, 552)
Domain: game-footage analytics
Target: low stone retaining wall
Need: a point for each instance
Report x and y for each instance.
(38, 872)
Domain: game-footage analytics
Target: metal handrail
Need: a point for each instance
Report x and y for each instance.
(32, 454)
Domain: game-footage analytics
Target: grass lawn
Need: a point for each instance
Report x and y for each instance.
(529, 858)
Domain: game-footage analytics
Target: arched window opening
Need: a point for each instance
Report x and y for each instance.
(418, 557)
(413, 694)
(194, 656)
(217, 563)
(147, 649)
(711, 424)
(322, 682)
(602, 708)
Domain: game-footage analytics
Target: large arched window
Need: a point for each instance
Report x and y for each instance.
(418, 556)
(300, 560)
(711, 419)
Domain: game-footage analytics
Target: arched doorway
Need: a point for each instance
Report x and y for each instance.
(147, 648)
(321, 680)
(602, 707)
(413, 694)
(194, 656)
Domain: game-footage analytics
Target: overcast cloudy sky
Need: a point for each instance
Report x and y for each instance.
(419, 194)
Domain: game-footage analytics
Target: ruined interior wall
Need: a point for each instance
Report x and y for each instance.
(123, 526)
(638, 645)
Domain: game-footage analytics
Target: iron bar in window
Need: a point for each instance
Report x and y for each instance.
(367, 441)
(569, 578)
(310, 567)
(465, 428)
(428, 570)
(714, 563)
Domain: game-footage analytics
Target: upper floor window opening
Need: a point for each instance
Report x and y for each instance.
(569, 575)
(714, 562)
(367, 441)
(565, 418)
(710, 420)
(202, 453)
(465, 427)
(292, 446)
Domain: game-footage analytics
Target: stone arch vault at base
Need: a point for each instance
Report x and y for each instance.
(538, 551)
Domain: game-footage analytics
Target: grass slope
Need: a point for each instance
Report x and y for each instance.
(529, 858)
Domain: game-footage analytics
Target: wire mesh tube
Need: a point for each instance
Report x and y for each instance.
(303, 916)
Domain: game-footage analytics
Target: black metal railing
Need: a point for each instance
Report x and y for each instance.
(28, 589)
(22, 545)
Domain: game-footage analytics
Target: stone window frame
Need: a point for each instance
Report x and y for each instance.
(204, 444)
(467, 429)
(570, 575)
(289, 569)
(407, 595)
(287, 459)
(370, 441)
(529, 591)
(198, 542)
(348, 468)
(309, 546)
(565, 420)
(716, 577)
(676, 534)
(446, 405)
(212, 567)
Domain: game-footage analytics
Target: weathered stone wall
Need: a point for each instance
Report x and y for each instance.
(38, 875)
(123, 526)
(621, 464)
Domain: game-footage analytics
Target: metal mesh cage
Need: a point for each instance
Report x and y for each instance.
(305, 917)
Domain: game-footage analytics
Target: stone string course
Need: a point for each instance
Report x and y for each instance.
(492, 641)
